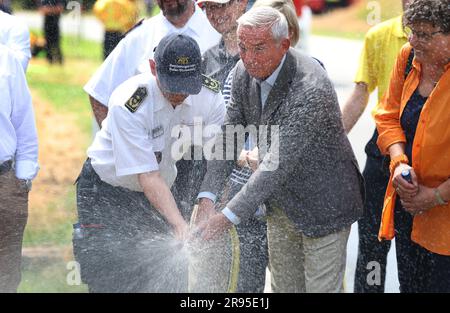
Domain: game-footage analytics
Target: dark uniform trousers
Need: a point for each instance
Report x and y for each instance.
(252, 233)
(419, 270)
(53, 38)
(254, 254)
(376, 178)
(13, 219)
(125, 245)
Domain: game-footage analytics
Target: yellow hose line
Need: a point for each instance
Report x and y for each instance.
(235, 260)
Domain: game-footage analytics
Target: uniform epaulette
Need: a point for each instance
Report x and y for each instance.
(136, 99)
(134, 27)
(210, 83)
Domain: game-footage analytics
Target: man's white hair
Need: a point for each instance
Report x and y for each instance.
(266, 17)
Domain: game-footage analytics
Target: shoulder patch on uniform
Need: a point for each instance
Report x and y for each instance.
(210, 83)
(136, 99)
(134, 27)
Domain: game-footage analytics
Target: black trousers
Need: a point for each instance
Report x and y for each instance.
(369, 248)
(111, 40)
(254, 253)
(53, 38)
(185, 189)
(405, 249)
(126, 244)
(419, 270)
(254, 256)
(432, 271)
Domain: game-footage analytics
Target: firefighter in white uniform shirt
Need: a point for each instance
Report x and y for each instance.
(123, 192)
(131, 55)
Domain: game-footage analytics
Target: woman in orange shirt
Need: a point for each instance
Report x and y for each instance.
(413, 121)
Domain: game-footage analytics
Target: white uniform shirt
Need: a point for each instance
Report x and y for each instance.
(132, 54)
(126, 144)
(18, 140)
(15, 35)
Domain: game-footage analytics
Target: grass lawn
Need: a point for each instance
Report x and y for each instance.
(47, 275)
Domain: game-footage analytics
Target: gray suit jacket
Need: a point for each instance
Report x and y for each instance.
(317, 180)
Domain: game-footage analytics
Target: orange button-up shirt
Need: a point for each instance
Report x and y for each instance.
(431, 148)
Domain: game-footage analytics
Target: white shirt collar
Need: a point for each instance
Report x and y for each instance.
(196, 22)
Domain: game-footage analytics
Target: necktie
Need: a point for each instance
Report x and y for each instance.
(258, 92)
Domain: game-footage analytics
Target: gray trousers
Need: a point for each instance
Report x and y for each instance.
(299, 263)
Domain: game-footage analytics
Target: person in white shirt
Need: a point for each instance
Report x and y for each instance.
(131, 55)
(15, 35)
(18, 165)
(123, 192)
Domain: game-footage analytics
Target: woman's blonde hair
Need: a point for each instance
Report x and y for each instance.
(287, 8)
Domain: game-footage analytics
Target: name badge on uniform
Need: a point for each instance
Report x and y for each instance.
(157, 131)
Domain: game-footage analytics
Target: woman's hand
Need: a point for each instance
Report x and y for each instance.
(421, 202)
(403, 188)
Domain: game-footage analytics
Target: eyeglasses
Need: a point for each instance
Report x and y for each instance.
(420, 35)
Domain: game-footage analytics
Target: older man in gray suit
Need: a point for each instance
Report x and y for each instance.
(308, 177)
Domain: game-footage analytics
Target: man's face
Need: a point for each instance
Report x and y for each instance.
(260, 53)
(223, 16)
(174, 98)
(173, 7)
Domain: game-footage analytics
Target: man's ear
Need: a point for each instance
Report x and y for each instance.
(286, 44)
(153, 67)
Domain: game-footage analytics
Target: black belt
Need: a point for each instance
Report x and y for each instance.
(5, 167)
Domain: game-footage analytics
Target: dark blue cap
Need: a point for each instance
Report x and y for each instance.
(178, 64)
